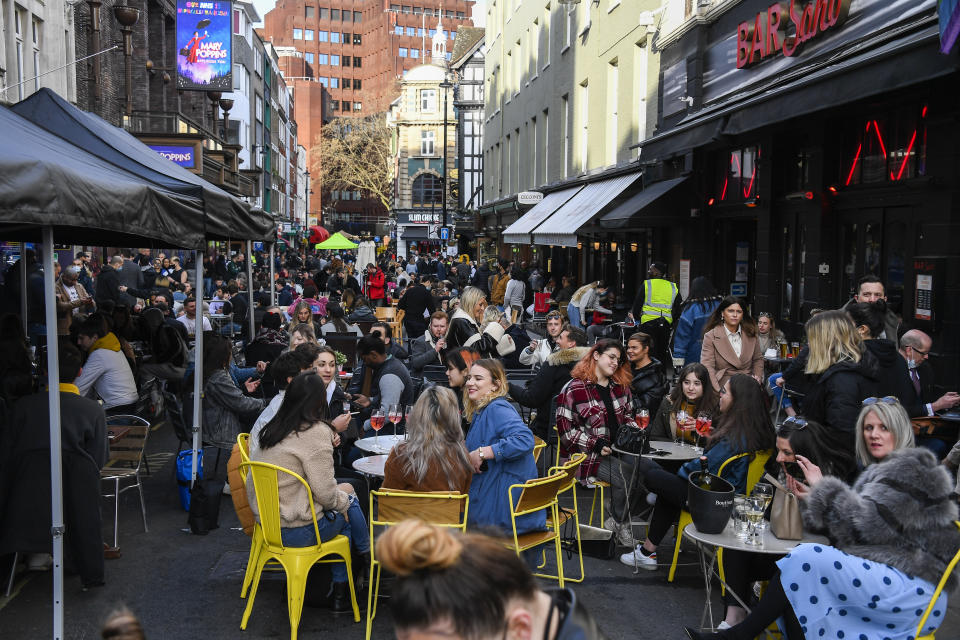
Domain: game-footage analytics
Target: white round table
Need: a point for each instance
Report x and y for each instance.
(728, 539)
(371, 465)
(383, 444)
(666, 450)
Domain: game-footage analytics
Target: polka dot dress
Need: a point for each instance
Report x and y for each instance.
(839, 596)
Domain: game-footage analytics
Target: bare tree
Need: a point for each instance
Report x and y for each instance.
(354, 155)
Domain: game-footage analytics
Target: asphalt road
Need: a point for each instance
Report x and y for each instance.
(185, 586)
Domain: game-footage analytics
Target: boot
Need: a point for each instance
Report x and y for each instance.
(361, 570)
(341, 598)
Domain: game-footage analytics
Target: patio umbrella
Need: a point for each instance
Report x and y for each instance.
(318, 234)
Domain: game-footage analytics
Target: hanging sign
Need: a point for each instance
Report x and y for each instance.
(767, 34)
(204, 52)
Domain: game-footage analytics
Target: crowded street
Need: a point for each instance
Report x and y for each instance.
(480, 319)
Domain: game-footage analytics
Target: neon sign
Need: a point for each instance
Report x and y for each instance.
(767, 35)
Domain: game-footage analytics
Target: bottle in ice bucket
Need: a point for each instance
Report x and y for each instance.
(705, 482)
(709, 499)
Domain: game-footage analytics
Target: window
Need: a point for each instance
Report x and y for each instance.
(322, 36)
(411, 31)
(346, 38)
(308, 34)
(420, 32)
(546, 35)
(357, 16)
(432, 32)
(546, 145)
(449, 14)
(460, 15)
(335, 105)
(298, 34)
(347, 16)
(308, 57)
(584, 124)
(324, 13)
(356, 61)
(345, 106)
(428, 12)
(414, 53)
(446, 34)
(335, 59)
(395, 8)
(738, 178)
(357, 39)
(259, 108)
(335, 14)
(335, 36)
(346, 83)
(565, 130)
(323, 80)
(323, 58)
(428, 100)
(403, 52)
(356, 84)
(449, 56)
(357, 106)
(427, 190)
(334, 83)
(398, 30)
(889, 148)
(427, 143)
(418, 11)
(308, 12)
(568, 28)
(407, 9)
(613, 98)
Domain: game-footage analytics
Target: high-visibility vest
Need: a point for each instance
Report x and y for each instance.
(658, 297)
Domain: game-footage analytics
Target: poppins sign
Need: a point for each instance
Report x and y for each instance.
(204, 38)
(784, 27)
(183, 155)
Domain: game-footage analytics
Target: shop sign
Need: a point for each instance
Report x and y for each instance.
(182, 155)
(529, 197)
(767, 35)
(424, 218)
(204, 41)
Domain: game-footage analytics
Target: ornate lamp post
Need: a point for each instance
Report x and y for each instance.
(226, 104)
(127, 16)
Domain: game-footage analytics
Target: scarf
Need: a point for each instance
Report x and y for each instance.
(272, 336)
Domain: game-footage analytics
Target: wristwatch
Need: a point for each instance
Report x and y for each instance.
(480, 451)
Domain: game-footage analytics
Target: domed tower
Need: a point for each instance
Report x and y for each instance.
(439, 55)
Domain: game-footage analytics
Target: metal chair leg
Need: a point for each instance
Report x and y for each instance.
(13, 572)
(143, 505)
(116, 512)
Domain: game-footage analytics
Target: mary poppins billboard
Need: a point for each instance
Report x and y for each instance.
(204, 37)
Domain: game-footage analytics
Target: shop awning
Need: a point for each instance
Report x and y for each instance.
(224, 215)
(414, 232)
(561, 228)
(621, 215)
(699, 131)
(519, 231)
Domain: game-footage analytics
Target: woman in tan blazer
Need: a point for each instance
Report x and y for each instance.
(730, 344)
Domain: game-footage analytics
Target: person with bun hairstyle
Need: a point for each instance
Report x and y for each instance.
(501, 450)
(472, 587)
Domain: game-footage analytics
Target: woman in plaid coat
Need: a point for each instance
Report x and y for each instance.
(591, 409)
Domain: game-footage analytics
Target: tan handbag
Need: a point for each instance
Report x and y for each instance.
(786, 523)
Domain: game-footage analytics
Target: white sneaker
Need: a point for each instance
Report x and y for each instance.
(624, 533)
(636, 558)
(651, 499)
(723, 625)
(226, 489)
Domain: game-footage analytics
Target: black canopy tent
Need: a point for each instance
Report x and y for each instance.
(50, 188)
(224, 215)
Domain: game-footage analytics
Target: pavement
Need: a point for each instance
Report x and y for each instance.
(186, 586)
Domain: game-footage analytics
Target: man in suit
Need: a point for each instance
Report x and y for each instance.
(416, 302)
(915, 348)
(131, 276)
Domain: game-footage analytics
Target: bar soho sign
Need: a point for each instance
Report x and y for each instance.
(768, 36)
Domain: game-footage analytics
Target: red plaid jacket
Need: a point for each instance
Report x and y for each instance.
(582, 420)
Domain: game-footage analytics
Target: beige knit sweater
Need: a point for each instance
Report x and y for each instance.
(309, 454)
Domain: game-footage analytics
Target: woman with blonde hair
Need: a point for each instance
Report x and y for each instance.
(501, 449)
(586, 297)
(303, 314)
(844, 375)
(465, 331)
(472, 587)
(433, 457)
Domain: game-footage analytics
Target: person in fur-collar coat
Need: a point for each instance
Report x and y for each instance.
(464, 329)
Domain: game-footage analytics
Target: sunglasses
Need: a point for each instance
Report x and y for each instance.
(885, 400)
(799, 423)
(765, 314)
(554, 315)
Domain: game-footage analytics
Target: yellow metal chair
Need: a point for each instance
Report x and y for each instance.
(936, 596)
(385, 313)
(440, 508)
(598, 486)
(569, 468)
(754, 473)
(243, 441)
(243, 444)
(296, 561)
(538, 494)
(538, 446)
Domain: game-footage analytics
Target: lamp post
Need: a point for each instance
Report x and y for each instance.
(226, 104)
(214, 97)
(446, 86)
(306, 213)
(127, 16)
(95, 40)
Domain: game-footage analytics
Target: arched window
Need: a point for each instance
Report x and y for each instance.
(427, 191)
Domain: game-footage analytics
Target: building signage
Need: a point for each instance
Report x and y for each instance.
(424, 218)
(183, 155)
(767, 34)
(529, 197)
(204, 39)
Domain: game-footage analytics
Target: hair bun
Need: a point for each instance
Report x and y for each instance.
(414, 545)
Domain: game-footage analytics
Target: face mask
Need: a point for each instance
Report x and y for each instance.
(911, 363)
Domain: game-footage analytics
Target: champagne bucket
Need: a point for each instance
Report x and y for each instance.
(710, 509)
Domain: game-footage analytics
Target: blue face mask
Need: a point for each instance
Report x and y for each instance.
(911, 363)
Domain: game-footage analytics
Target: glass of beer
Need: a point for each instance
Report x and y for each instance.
(784, 349)
(795, 349)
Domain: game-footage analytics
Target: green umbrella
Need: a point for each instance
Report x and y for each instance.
(336, 241)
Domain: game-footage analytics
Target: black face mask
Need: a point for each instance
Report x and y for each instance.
(793, 469)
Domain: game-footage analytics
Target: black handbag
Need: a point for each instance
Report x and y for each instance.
(633, 439)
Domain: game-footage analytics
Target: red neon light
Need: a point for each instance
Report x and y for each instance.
(723, 195)
(710, 202)
(856, 159)
(923, 114)
(906, 156)
(746, 194)
(833, 189)
(883, 148)
(808, 195)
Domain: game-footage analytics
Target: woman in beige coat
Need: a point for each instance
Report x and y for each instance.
(730, 344)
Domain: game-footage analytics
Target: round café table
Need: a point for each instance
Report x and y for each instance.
(728, 539)
(668, 450)
(380, 445)
(371, 465)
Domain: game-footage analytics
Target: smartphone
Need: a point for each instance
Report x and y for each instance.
(795, 470)
(483, 466)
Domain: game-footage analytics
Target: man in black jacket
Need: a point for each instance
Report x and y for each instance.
(428, 347)
(108, 282)
(415, 303)
(551, 378)
(481, 279)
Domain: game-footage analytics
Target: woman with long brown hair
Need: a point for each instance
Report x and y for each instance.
(730, 344)
(692, 395)
(591, 410)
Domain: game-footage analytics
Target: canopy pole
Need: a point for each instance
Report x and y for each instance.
(53, 398)
(250, 319)
(197, 370)
(23, 286)
(273, 275)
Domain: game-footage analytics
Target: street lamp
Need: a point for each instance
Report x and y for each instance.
(306, 213)
(127, 17)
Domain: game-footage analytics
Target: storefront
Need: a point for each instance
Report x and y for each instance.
(815, 155)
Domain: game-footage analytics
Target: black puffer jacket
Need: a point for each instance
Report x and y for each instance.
(549, 381)
(648, 386)
(463, 331)
(893, 378)
(481, 278)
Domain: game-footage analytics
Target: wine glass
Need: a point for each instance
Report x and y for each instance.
(703, 425)
(395, 414)
(376, 423)
(642, 419)
(755, 518)
(681, 419)
(763, 491)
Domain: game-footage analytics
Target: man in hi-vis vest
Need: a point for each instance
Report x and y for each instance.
(656, 305)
